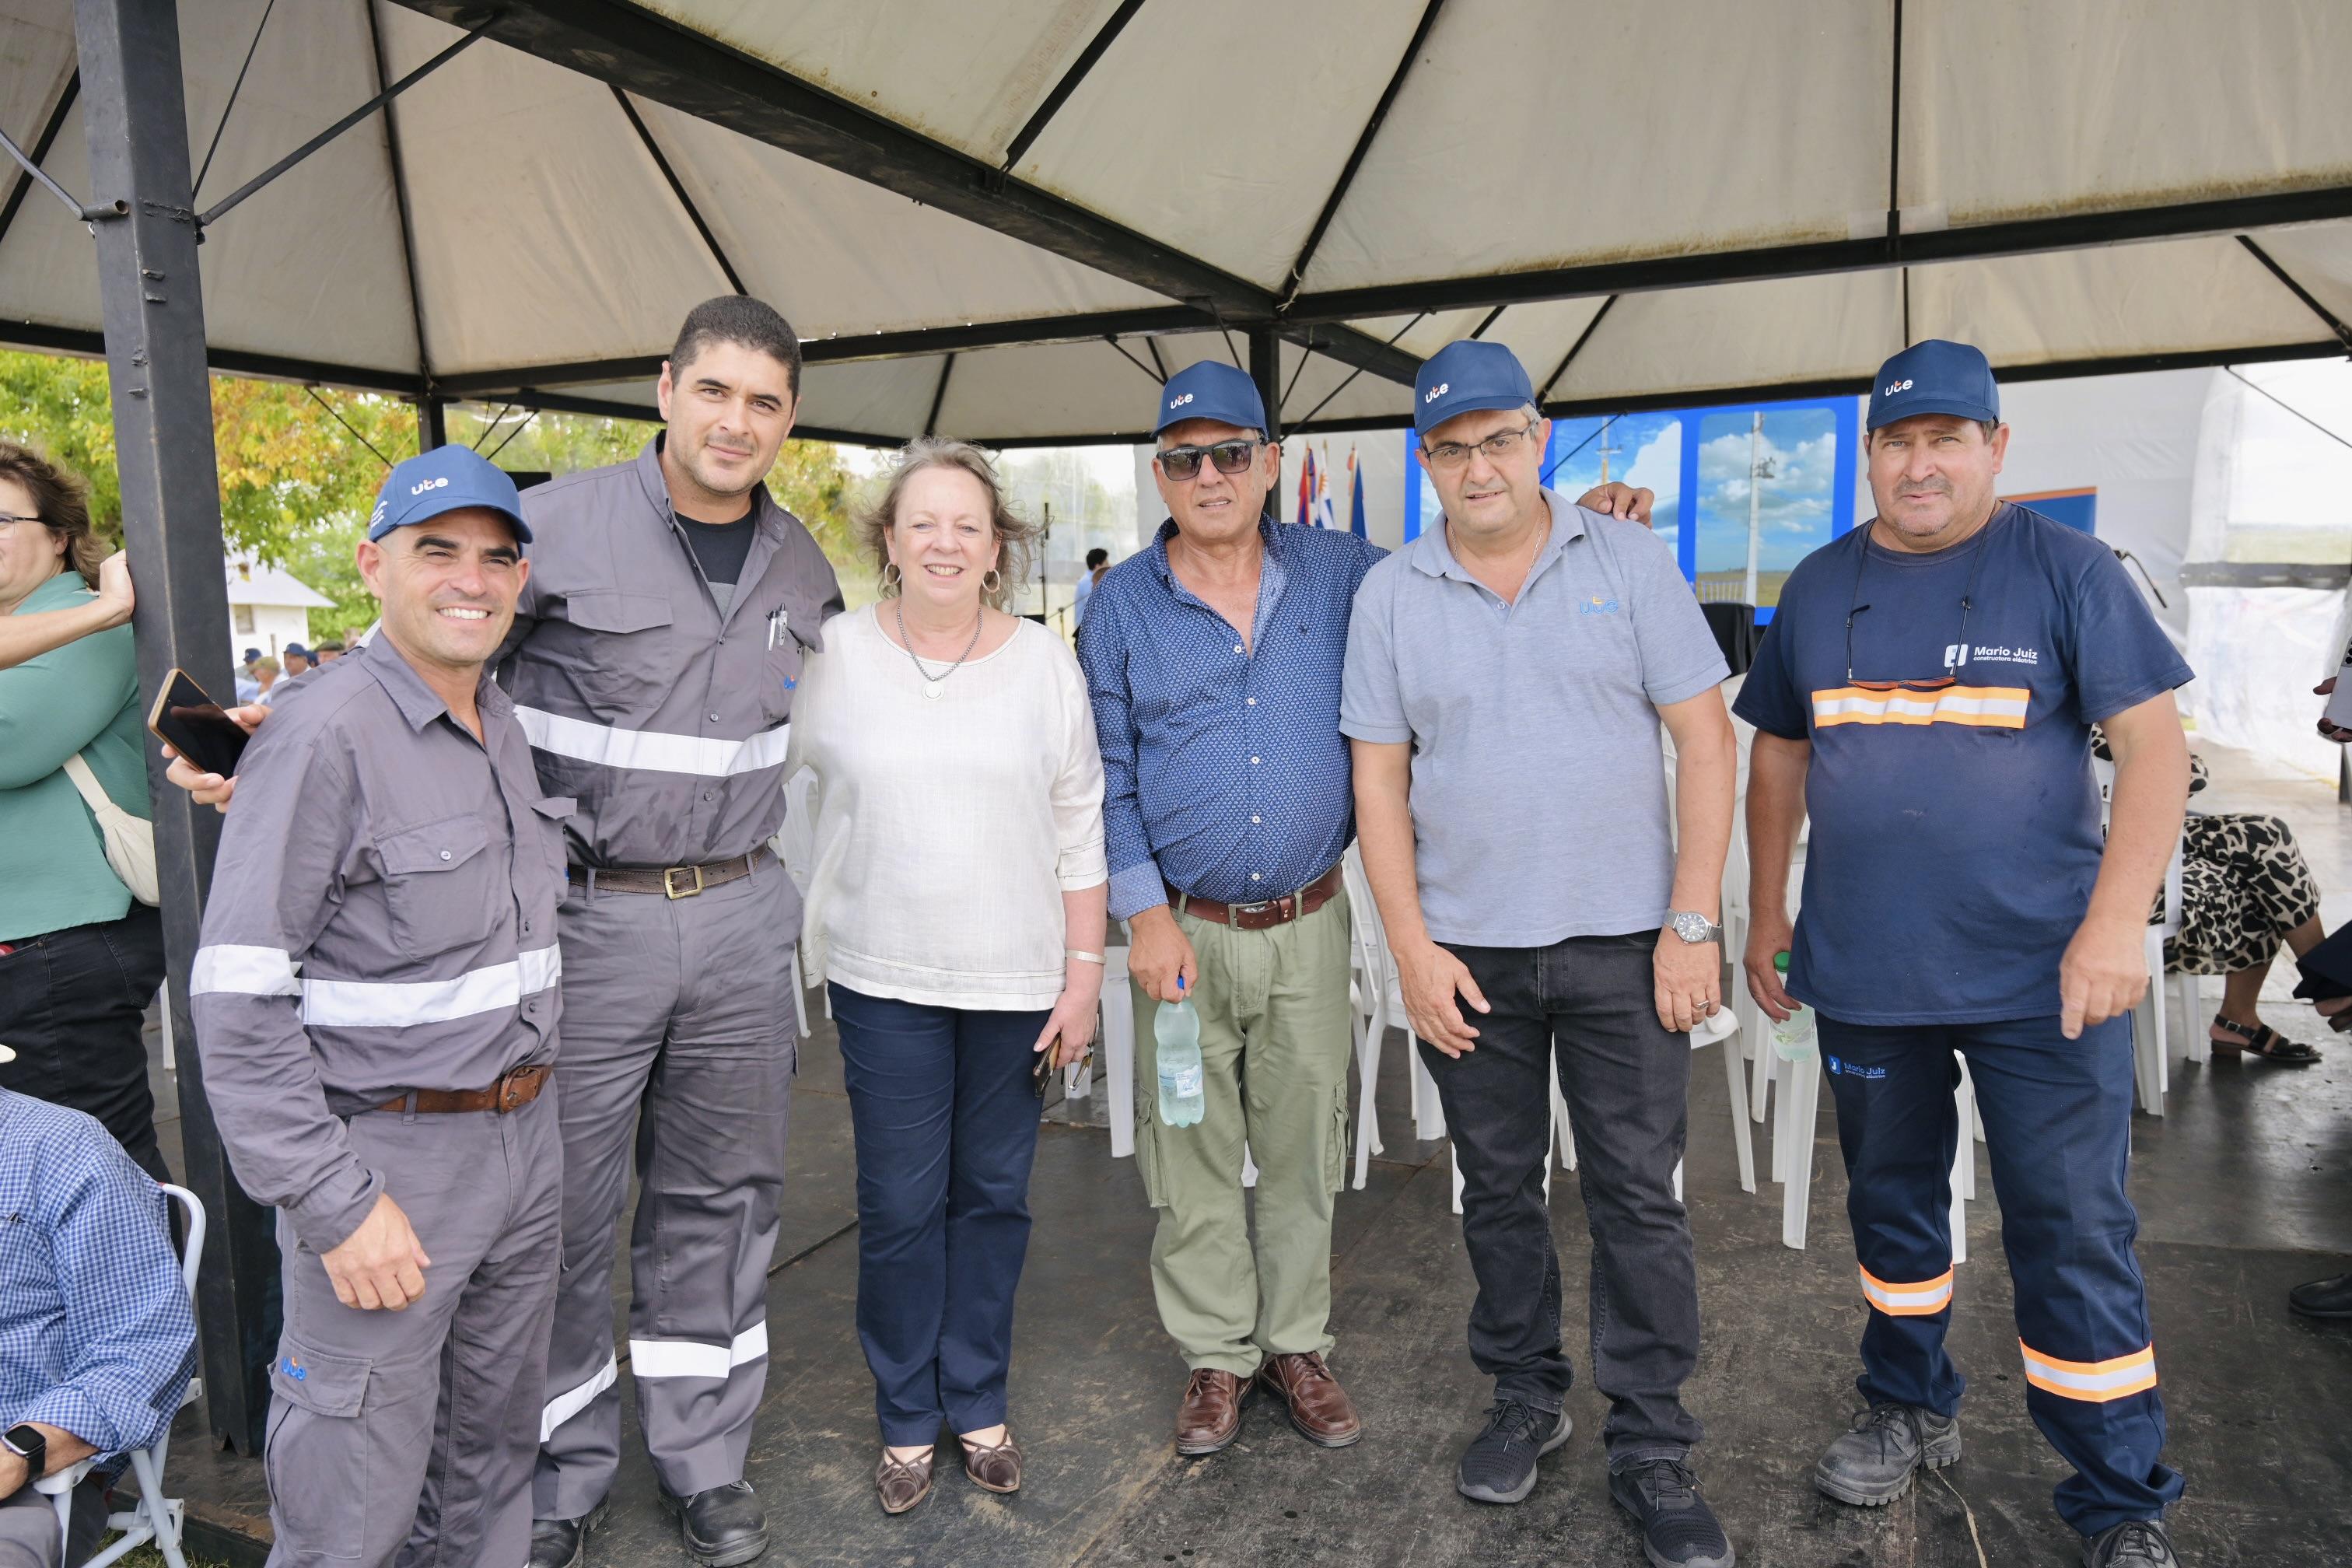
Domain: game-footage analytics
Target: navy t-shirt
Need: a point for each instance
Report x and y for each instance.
(1955, 831)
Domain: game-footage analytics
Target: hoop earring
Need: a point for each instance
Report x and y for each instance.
(997, 586)
(892, 578)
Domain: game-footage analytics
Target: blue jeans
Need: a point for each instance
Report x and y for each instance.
(2057, 1116)
(947, 1127)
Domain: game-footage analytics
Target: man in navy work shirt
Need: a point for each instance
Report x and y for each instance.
(1927, 692)
(1212, 659)
(1507, 673)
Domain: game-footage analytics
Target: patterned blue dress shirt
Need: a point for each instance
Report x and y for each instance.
(96, 1334)
(1224, 774)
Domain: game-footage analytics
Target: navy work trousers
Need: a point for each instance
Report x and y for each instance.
(2057, 1118)
(947, 1127)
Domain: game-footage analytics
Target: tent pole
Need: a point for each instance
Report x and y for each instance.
(153, 307)
(432, 422)
(1265, 369)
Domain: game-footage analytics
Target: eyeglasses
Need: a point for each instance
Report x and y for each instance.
(1498, 447)
(1953, 650)
(6, 518)
(1182, 463)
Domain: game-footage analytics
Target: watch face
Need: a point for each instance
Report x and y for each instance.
(1691, 926)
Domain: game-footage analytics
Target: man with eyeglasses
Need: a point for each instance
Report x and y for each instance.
(1927, 690)
(1506, 675)
(1212, 659)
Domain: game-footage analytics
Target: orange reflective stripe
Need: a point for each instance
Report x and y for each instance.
(1980, 707)
(2095, 1381)
(1915, 1301)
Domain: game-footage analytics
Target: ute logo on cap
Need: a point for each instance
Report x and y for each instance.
(1180, 401)
(440, 484)
(1440, 390)
(1898, 386)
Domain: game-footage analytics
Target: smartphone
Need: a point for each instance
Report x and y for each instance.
(194, 725)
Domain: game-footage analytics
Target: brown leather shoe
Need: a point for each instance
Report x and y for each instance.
(902, 1483)
(994, 1467)
(1319, 1407)
(1209, 1418)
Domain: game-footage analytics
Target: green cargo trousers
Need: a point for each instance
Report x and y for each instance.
(1274, 1041)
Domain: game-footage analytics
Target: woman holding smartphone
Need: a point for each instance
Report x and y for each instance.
(956, 908)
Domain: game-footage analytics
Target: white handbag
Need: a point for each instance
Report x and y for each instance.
(130, 840)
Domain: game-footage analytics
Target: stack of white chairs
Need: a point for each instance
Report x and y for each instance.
(1376, 999)
(2151, 1037)
(152, 1516)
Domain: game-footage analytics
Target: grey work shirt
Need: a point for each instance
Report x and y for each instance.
(1539, 783)
(661, 713)
(382, 919)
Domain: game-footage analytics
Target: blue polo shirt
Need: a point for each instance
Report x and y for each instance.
(1955, 829)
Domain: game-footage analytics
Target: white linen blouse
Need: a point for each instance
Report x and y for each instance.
(946, 828)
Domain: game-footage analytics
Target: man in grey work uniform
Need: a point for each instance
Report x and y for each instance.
(375, 1006)
(652, 664)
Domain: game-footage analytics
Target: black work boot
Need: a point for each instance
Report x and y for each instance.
(2134, 1543)
(2323, 1297)
(564, 1542)
(1678, 1530)
(1873, 1464)
(722, 1527)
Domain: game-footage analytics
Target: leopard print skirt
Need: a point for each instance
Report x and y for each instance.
(2243, 886)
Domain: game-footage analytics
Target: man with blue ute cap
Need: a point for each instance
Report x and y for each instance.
(1927, 692)
(375, 1006)
(1212, 659)
(1507, 676)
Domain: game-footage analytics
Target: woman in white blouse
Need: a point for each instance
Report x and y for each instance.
(956, 908)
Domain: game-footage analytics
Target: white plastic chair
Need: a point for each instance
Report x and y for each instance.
(1376, 999)
(1118, 1051)
(2151, 1039)
(152, 1516)
(794, 844)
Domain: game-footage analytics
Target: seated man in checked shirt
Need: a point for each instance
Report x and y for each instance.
(97, 1340)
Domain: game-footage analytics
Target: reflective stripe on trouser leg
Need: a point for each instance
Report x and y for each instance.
(2058, 1124)
(711, 1167)
(1897, 1130)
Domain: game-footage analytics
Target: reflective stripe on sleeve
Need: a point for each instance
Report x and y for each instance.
(652, 750)
(400, 1003)
(690, 1358)
(1919, 1301)
(571, 1402)
(2095, 1381)
(245, 970)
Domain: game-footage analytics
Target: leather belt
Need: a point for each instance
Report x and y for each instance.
(513, 1090)
(1266, 913)
(671, 882)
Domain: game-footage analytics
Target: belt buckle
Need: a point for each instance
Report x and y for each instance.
(509, 1090)
(670, 889)
(1234, 912)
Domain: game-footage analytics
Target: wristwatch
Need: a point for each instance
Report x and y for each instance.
(1693, 927)
(25, 1440)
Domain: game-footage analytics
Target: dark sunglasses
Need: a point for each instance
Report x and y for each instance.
(1181, 463)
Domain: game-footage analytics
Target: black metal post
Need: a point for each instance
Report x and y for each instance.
(432, 422)
(153, 309)
(1265, 369)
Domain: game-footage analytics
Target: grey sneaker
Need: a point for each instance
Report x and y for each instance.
(2134, 1543)
(1873, 1464)
(1499, 1464)
(1678, 1530)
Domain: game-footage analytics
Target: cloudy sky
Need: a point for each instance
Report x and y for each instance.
(1795, 503)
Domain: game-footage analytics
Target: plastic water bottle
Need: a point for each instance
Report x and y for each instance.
(1793, 1037)
(1177, 1031)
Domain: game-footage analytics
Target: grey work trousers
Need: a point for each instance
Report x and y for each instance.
(678, 1057)
(408, 1435)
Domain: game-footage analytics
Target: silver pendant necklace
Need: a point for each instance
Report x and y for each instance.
(932, 687)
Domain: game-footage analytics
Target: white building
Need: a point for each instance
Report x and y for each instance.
(268, 609)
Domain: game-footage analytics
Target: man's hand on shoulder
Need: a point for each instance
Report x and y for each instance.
(1615, 499)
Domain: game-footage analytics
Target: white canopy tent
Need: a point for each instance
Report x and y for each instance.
(997, 218)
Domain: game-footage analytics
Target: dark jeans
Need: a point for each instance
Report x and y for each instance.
(71, 1005)
(947, 1127)
(1626, 1079)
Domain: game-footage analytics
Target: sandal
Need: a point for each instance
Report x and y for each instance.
(2262, 1040)
(994, 1467)
(899, 1483)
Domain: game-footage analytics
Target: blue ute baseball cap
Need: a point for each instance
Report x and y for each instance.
(1465, 376)
(1936, 376)
(1211, 390)
(446, 478)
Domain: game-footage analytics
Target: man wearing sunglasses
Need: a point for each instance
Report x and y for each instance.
(1927, 690)
(1507, 676)
(1212, 659)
